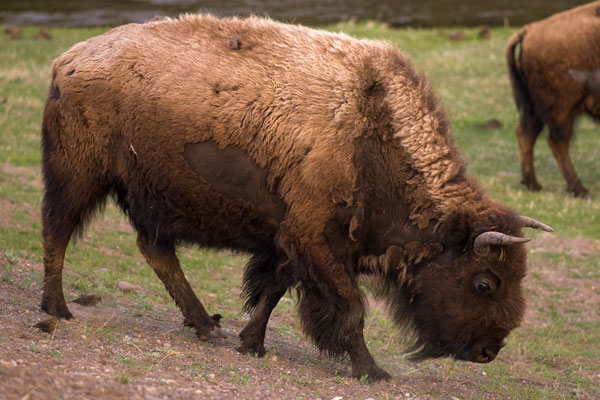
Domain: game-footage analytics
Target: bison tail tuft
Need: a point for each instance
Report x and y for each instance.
(521, 94)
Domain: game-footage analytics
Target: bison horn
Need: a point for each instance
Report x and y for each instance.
(535, 224)
(485, 239)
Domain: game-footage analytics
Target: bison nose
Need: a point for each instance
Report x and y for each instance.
(488, 354)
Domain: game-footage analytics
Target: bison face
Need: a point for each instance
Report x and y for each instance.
(464, 305)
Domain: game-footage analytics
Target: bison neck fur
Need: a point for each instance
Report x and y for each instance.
(324, 157)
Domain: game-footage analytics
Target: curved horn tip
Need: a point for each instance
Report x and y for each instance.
(482, 243)
(535, 224)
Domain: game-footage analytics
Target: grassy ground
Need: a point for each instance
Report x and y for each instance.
(555, 354)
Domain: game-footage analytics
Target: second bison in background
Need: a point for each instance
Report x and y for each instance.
(548, 78)
(324, 157)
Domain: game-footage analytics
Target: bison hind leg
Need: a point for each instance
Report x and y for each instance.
(163, 260)
(70, 200)
(263, 287)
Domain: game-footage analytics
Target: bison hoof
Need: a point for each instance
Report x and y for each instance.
(205, 327)
(56, 310)
(372, 375)
(580, 192)
(532, 185)
(257, 350)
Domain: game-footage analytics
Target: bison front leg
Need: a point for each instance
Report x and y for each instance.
(266, 279)
(558, 140)
(332, 313)
(253, 334)
(164, 262)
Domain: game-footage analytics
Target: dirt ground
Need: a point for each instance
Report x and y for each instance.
(107, 352)
(117, 351)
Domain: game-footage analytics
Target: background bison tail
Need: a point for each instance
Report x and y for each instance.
(521, 94)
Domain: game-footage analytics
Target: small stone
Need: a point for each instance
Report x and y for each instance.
(491, 124)
(457, 37)
(48, 326)
(150, 389)
(89, 300)
(44, 33)
(485, 33)
(127, 287)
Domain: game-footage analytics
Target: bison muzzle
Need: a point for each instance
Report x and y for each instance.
(322, 156)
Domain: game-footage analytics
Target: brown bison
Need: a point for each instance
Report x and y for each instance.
(544, 92)
(324, 157)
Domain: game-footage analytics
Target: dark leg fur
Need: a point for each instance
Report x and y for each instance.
(162, 259)
(70, 197)
(527, 135)
(363, 363)
(336, 325)
(53, 299)
(264, 285)
(558, 140)
(253, 334)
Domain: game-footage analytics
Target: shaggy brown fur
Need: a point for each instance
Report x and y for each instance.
(323, 156)
(543, 91)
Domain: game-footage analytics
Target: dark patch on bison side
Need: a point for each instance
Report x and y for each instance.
(231, 172)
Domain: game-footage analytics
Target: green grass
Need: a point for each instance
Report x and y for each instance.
(555, 354)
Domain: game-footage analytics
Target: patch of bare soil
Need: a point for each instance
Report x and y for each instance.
(7, 212)
(112, 352)
(574, 247)
(117, 350)
(574, 292)
(29, 175)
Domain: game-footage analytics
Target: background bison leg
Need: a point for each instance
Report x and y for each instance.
(162, 259)
(558, 139)
(253, 334)
(526, 140)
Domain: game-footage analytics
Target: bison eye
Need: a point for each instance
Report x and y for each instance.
(485, 283)
(482, 286)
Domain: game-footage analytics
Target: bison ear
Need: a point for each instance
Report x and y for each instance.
(456, 231)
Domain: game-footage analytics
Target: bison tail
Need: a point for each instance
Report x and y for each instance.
(521, 94)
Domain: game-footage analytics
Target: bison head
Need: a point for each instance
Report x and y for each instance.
(464, 301)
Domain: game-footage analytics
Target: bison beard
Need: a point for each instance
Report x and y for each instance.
(324, 157)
